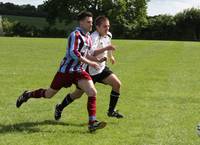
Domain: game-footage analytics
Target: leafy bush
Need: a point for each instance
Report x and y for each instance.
(7, 27)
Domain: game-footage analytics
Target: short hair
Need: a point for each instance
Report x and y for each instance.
(100, 19)
(82, 15)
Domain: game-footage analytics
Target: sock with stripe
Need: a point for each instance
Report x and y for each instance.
(91, 106)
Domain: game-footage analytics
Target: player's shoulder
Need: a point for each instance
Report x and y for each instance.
(109, 34)
(75, 32)
(108, 37)
(95, 34)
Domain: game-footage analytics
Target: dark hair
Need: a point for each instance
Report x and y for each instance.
(82, 15)
(100, 19)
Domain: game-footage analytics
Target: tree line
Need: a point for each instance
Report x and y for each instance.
(22, 10)
(125, 15)
(128, 19)
(183, 26)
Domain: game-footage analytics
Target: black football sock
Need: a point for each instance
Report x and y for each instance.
(66, 101)
(114, 96)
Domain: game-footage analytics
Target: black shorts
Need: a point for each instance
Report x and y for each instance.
(100, 77)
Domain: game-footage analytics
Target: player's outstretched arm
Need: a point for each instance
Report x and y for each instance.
(89, 62)
(101, 50)
(93, 58)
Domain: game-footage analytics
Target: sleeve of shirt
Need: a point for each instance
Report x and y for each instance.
(94, 38)
(74, 45)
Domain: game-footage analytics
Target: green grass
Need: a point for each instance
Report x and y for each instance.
(38, 22)
(159, 95)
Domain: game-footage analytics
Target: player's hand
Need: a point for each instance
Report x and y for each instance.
(112, 60)
(110, 47)
(94, 64)
(102, 59)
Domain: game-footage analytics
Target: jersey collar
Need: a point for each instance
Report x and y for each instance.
(82, 31)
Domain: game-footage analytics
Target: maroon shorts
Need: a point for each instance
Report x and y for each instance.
(67, 79)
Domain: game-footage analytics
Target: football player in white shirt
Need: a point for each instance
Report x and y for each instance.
(102, 50)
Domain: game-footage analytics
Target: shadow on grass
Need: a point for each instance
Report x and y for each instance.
(31, 127)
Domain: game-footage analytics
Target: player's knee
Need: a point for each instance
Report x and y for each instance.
(49, 93)
(48, 96)
(117, 85)
(92, 92)
(75, 96)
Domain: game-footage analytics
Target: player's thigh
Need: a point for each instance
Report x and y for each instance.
(112, 80)
(87, 86)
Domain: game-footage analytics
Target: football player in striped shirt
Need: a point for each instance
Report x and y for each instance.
(102, 48)
(71, 71)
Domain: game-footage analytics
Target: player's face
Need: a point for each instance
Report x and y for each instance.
(103, 28)
(86, 24)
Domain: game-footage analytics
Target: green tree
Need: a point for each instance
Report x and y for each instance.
(159, 27)
(7, 27)
(188, 23)
(66, 10)
(125, 15)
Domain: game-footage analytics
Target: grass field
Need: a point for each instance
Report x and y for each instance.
(160, 96)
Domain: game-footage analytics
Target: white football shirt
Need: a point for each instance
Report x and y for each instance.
(99, 42)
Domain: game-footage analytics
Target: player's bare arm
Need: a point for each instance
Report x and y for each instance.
(93, 58)
(101, 50)
(89, 62)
